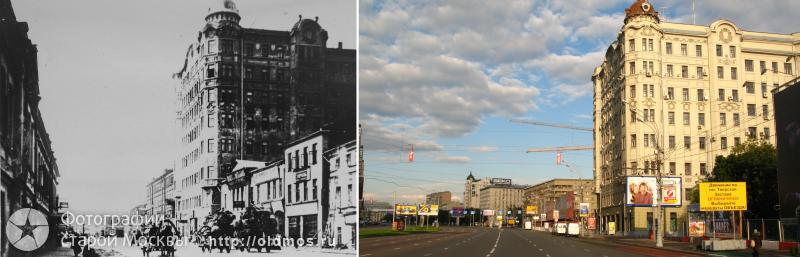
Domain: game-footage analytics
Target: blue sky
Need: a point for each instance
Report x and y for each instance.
(446, 76)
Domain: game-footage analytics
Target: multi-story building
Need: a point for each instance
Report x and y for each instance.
(472, 191)
(160, 201)
(247, 93)
(307, 185)
(28, 171)
(693, 91)
(502, 197)
(342, 213)
(545, 195)
(443, 199)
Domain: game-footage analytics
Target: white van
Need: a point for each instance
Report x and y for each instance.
(561, 228)
(574, 229)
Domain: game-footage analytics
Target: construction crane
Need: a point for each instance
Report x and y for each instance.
(547, 124)
(560, 149)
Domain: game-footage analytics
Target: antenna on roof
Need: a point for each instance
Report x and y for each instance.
(694, 19)
(662, 13)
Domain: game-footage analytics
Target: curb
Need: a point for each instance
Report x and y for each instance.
(612, 242)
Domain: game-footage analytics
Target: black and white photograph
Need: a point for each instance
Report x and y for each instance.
(178, 128)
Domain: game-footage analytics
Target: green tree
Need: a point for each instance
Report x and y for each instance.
(754, 162)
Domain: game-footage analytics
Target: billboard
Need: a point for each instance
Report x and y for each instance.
(429, 209)
(584, 211)
(457, 212)
(592, 223)
(723, 196)
(787, 137)
(531, 209)
(501, 181)
(488, 212)
(565, 204)
(405, 210)
(641, 191)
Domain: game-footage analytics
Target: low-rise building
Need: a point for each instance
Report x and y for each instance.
(159, 198)
(547, 195)
(342, 215)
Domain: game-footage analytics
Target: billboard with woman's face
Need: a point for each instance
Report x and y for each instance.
(642, 191)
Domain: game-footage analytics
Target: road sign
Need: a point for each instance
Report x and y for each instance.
(584, 211)
(531, 209)
(723, 196)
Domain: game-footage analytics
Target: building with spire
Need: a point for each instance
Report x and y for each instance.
(246, 93)
(670, 97)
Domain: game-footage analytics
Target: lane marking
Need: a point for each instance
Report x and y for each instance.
(397, 248)
(429, 254)
(495, 244)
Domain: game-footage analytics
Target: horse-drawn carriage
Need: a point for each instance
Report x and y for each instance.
(254, 230)
(161, 237)
(217, 232)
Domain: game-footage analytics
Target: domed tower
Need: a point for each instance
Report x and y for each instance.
(470, 177)
(641, 9)
(227, 13)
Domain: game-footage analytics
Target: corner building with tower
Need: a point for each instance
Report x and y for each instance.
(246, 93)
(694, 91)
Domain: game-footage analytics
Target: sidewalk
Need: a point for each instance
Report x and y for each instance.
(685, 247)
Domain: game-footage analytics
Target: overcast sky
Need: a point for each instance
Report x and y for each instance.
(108, 100)
(447, 75)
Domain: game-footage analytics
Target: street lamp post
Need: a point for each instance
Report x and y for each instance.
(659, 157)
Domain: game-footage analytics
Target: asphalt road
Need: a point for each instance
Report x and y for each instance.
(488, 242)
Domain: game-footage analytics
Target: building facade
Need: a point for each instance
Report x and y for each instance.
(247, 93)
(160, 201)
(28, 171)
(546, 195)
(341, 228)
(691, 92)
(443, 199)
(472, 191)
(502, 197)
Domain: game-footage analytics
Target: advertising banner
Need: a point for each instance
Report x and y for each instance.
(592, 223)
(488, 212)
(531, 209)
(612, 228)
(555, 215)
(544, 216)
(457, 212)
(787, 137)
(501, 181)
(697, 228)
(402, 210)
(642, 191)
(429, 209)
(723, 196)
(584, 211)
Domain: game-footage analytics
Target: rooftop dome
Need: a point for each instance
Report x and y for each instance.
(641, 7)
(227, 11)
(470, 177)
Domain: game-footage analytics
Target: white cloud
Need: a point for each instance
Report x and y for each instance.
(454, 159)
(483, 149)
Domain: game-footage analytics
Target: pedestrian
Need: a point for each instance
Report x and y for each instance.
(756, 242)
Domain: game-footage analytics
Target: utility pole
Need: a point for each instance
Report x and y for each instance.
(659, 157)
